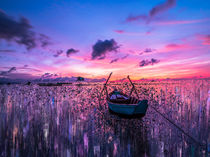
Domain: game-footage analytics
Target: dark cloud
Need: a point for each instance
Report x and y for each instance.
(148, 62)
(4, 73)
(147, 50)
(46, 75)
(71, 51)
(44, 40)
(20, 31)
(117, 59)
(114, 60)
(58, 53)
(153, 12)
(101, 48)
(162, 7)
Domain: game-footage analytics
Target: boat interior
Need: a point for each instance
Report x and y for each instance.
(122, 99)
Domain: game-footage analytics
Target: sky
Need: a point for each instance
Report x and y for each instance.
(91, 38)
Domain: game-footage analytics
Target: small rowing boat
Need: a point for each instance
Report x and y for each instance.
(123, 104)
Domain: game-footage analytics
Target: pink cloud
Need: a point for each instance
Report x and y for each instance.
(177, 22)
(173, 47)
(119, 31)
(148, 32)
(131, 33)
(205, 39)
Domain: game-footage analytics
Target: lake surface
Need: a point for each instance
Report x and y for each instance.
(69, 121)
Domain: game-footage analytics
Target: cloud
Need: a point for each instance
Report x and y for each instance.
(48, 75)
(16, 76)
(4, 73)
(147, 50)
(114, 60)
(148, 32)
(172, 46)
(101, 48)
(27, 68)
(129, 33)
(205, 39)
(71, 51)
(148, 62)
(20, 31)
(13, 69)
(132, 18)
(153, 12)
(124, 57)
(44, 40)
(179, 22)
(162, 7)
(58, 53)
(117, 59)
(119, 31)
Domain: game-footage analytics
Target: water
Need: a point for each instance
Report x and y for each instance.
(69, 121)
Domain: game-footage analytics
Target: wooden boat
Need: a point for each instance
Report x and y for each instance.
(123, 104)
(126, 105)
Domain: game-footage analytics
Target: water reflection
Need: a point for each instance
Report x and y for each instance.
(69, 121)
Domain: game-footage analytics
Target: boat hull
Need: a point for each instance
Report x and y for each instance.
(129, 109)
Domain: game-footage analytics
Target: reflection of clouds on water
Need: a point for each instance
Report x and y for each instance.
(69, 121)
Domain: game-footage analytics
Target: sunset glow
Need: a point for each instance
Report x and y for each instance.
(144, 39)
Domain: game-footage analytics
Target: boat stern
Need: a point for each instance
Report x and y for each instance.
(142, 107)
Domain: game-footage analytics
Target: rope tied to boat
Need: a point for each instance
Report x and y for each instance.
(180, 129)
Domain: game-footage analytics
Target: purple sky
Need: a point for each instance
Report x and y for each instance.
(144, 39)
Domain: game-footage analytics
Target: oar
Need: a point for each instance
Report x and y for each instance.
(133, 87)
(105, 85)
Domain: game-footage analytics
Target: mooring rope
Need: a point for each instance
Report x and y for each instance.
(192, 138)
